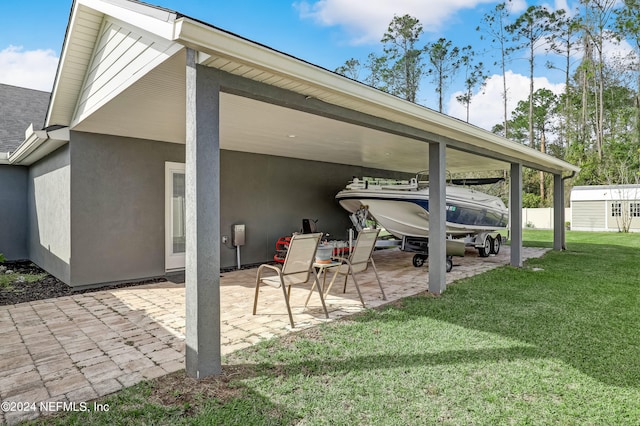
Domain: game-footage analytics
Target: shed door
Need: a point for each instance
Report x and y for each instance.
(174, 216)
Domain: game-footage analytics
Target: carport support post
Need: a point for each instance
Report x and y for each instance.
(202, 175)
(558, 212)
(515, 212)
(437, 216)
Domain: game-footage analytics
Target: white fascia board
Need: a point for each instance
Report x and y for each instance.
(34, 147)
(62, 134)
(151, 19)
(212, 41)
(63, 57)
(30, 144)
(4, 158)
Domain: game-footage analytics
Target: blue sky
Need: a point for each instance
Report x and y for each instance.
(280, 24)
(323, 32)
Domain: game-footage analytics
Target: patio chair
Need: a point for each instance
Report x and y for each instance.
(296, 269)
(359, 260)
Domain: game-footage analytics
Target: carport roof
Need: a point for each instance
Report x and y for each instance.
(136, 88)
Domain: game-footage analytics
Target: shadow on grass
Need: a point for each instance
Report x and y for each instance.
(251, 408)
(581, 306)
(315, 366)
(176, 399)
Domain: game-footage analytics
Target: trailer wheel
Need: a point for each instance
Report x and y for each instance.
(496, 243)
(418, 260)
(485, 250)
(449, 263)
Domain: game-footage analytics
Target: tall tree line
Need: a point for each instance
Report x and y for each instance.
(594, 122)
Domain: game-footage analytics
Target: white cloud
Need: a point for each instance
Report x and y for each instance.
(367, 23)
(486, 109)
(562, 4)
(518, 6)
(557, 5)
(618, 50)
(34, 69)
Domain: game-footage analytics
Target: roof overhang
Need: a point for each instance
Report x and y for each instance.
(37, 144)
(151, 105)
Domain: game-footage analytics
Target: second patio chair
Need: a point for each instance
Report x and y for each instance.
(359, 260)
(296, 269)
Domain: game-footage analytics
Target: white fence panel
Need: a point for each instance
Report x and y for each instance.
(541, 218)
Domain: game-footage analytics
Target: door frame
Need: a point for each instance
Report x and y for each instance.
(172, 261)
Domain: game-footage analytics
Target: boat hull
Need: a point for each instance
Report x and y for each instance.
(406, 213)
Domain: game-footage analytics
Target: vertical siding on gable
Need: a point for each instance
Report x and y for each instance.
(122, 55)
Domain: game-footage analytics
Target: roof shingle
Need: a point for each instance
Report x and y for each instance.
(19, 107)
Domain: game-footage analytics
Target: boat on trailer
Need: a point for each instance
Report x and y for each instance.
(402, 208)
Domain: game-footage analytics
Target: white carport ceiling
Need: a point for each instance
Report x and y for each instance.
(253, 126)
(155, 108)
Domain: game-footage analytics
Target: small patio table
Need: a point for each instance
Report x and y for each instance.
(321, 269)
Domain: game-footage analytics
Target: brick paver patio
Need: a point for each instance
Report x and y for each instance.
(78, 348)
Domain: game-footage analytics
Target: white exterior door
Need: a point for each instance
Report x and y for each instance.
(174, 216)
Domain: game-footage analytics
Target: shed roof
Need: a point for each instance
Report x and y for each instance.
(605, 193)
(19, 108)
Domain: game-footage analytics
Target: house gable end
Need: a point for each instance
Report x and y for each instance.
(123, 55)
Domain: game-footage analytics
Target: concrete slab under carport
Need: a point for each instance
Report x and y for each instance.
(82, 347)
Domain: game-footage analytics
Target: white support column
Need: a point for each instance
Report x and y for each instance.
(202, 170)
(558, 212)
(437, 219)
(516, 214)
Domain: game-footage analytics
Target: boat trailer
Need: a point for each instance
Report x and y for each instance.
(487, 243)
(420, 246)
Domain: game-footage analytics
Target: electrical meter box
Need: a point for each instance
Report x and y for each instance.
(238, 235)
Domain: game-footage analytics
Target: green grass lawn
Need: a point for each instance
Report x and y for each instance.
(555, 342)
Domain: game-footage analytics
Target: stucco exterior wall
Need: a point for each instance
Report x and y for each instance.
(117, 199)
(48, 204)
(118, 203)
(13, 212)
(271, 195)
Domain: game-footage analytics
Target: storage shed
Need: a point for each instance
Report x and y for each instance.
(605, 208)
